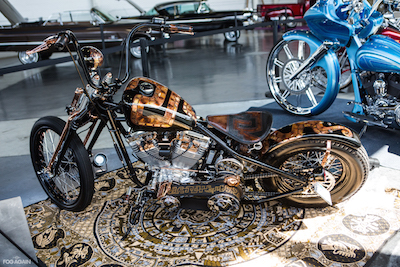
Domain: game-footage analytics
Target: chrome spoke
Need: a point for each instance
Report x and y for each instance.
(285, 94)
(66, 184)
(301, 50)
(311, 160)
(311, 97)
(278, 63)
(277, 79)
(288, 52)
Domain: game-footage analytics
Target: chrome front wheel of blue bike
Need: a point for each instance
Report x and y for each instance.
(300, 94)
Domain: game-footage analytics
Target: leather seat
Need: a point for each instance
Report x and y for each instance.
(247, 127)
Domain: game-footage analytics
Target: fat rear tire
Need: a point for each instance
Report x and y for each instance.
(72, 189)
(349, 167)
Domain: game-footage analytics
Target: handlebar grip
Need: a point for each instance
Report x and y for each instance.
(61, 42)
(185, 29)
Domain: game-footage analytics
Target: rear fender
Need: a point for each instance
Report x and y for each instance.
(329, 62)
(307, 130)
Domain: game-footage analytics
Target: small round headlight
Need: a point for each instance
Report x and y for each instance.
(99, 160)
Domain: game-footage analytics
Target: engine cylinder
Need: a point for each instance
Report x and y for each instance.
(185, 148)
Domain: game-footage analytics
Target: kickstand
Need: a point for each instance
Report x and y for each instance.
(363, 130)
(135, 212)
(131, 222)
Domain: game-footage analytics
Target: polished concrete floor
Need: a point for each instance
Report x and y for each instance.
(202, 70)
(212, 75)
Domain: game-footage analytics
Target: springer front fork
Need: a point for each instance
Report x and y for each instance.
(61, 149)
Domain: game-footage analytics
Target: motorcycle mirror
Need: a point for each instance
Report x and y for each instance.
(92, 57)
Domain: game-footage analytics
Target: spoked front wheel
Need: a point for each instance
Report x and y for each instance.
(71, 188)
(342, 171)
(299, 94)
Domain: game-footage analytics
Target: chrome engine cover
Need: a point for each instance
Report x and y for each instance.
(382, 95)
(185, 149)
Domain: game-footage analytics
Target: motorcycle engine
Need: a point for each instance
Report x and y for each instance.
(170, 153)
(383, 94)
(172, 158)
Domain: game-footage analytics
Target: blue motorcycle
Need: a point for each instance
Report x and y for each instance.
(303, 70)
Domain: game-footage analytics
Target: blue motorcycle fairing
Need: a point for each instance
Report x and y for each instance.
(328, 21)
(329, 62)
(325, 23)
(379, 54)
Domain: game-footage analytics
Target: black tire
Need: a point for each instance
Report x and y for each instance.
(349, 168)
(232, 36)
(136, 51)
(75, 171)
(45, 54)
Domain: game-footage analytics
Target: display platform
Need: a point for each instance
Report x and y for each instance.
(261, 235)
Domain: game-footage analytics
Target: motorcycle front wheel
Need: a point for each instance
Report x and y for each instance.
(343, 174)
(303, 94)
(73, 185)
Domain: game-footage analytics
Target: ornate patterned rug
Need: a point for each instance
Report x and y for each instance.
(259, 235)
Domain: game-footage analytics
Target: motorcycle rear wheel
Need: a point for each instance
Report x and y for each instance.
(72, 188)
(345, 71)
(345, 170)
(302, 95)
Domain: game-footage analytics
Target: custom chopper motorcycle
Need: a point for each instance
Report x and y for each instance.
(302, 59)
(225, 160)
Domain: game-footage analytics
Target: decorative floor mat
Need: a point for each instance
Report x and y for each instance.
(259, 235)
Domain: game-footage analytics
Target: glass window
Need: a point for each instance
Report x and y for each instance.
(188, 8)
(76, 16)
(151, 12)
(97, 15)
(81, 16)
(171, 10)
